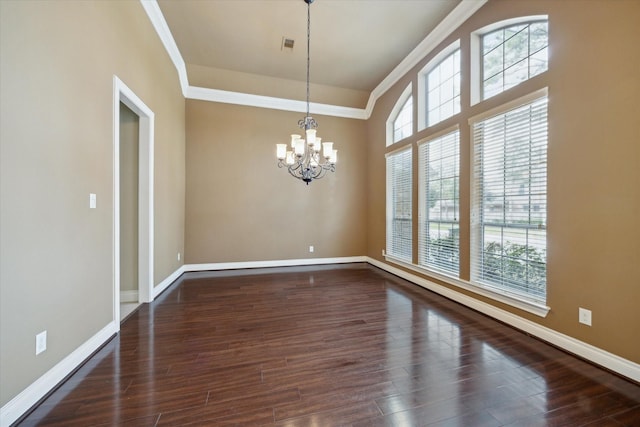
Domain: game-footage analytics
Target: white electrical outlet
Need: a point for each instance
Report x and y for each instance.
(584, 316)
(41, 342)
(384, 253)
(310, 248)
(178, 256)
(93, 200)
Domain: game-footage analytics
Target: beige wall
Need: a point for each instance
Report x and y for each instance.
(58, 59)
(56, 147)
(241, 207)
(593, 161)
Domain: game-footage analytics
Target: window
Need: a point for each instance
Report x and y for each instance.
(443, 89)
(501, 158)
(399, 206)
(439, 167)
(513, 54)
(403, 124)
(400, 121)
(510, 199)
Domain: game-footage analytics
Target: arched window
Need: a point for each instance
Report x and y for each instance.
(512, 54)
(439, 87)
(400, 122)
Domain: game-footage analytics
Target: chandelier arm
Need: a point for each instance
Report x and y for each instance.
(321, 173)
(296, 172)
(294, 167)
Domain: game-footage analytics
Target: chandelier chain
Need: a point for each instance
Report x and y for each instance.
(308, 159)
(308, 51)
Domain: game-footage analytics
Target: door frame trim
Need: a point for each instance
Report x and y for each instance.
(122, 93)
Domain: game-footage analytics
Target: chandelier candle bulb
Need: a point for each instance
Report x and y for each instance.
(289, 159)
(281, 151)
(299, 148)
(294, 138)
(318, 145)
(327, 149)
(311, 137)
(334, 157)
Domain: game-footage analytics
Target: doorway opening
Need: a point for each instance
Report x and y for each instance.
(132, 201)
(129, 218)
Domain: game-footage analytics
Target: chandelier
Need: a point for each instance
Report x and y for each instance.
(311, 158)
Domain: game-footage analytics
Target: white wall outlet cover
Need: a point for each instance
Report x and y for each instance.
(584, 316)
(310, 248)
(92, 200)
(41, 342)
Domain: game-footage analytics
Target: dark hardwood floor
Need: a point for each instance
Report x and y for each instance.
(328, 346)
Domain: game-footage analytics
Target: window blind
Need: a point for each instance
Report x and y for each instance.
(510, 201)
(399, 205)
(438, 213)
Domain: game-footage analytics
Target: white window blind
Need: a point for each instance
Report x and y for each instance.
(399, 205)
(403, 124)
(438, 213)
(510, 201)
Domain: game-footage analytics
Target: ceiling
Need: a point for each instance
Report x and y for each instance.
(355, 44)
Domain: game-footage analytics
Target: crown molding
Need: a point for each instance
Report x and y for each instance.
(227, 97)
(156, 17)
(451, 22)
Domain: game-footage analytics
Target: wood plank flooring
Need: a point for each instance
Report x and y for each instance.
(345, 345)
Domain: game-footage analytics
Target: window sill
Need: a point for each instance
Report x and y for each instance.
(512, 300)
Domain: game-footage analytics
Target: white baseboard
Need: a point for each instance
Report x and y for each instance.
(128, 296)
(20, 404)
(17, 406)
(157, 290)
(272, 263)
(594, 354)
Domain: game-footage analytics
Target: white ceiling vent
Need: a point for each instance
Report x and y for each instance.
(287, 44)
